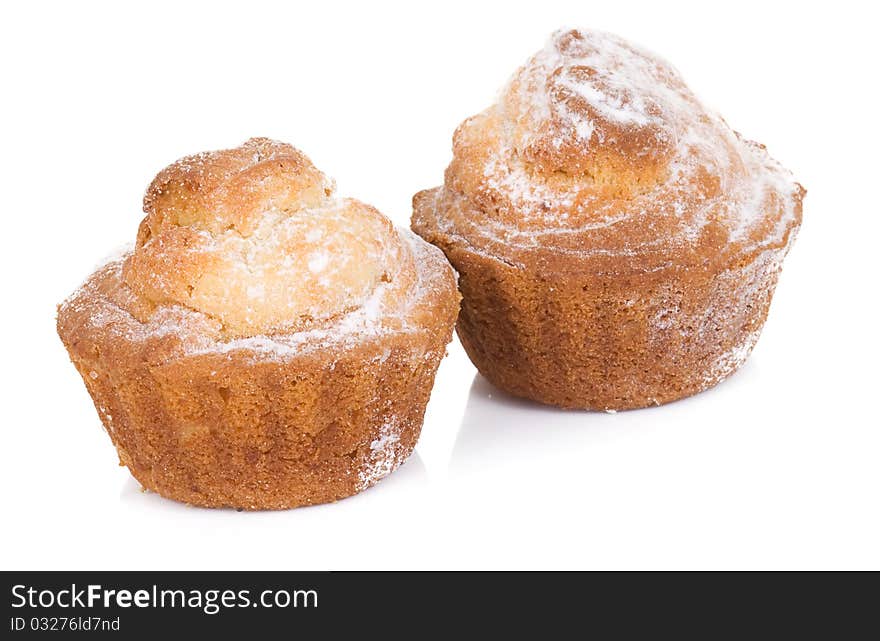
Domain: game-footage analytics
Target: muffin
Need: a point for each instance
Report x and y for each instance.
(266, 344)
(617, 243)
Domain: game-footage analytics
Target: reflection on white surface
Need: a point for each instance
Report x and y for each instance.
(369, 530)
(736, 471)
(500, 432)
(518, 466)
(755, 472)
(497, 427)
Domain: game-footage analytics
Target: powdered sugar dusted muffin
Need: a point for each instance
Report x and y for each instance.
(617, 243)
(266, 344)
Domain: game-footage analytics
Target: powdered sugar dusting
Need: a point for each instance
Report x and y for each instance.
(318, 261)
(728, 363)
(614, 80)
(386, 453)
(586, 96)
(387, 310)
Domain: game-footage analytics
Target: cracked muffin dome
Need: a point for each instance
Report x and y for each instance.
(618, 243)
(266, 344)
(255, 238)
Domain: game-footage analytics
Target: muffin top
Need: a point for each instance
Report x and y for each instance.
(597, 152)
(254, 238)
(249, 249)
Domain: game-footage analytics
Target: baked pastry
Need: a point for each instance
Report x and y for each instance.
(617, 243)
(266, 344)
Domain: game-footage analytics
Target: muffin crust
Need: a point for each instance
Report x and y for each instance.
(308, 392)
(618, 244)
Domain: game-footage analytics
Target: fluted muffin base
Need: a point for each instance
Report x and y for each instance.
(245, 429)
(608, 342)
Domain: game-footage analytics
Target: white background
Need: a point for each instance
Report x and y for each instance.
(775, 468)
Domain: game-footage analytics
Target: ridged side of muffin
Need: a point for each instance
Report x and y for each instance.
(606, 342)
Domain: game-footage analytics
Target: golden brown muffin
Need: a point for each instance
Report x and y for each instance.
(617, 243)
(266, 344)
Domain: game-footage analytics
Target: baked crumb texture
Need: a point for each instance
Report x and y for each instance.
(617, 243)
(265, 345)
